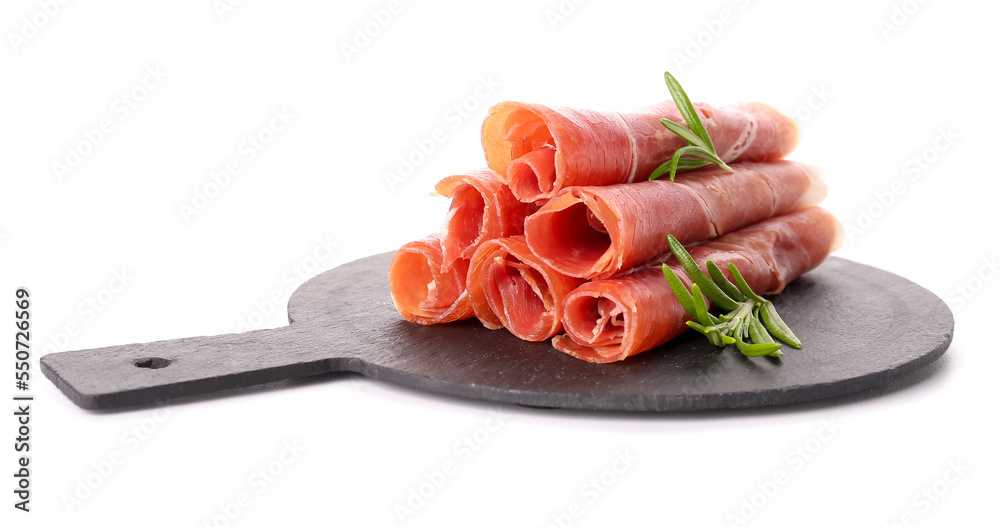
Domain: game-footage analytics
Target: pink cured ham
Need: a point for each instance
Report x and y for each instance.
(609, 320)
(510, 287)
(595, 232)
(539, 150)
(422, 291)
(482, 208)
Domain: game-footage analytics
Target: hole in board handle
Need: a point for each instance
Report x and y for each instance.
(153, 363)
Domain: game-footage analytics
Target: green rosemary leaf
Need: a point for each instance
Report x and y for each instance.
(687, 110)
(744, 288)
(757, 350)
(720, 280)
(680, 291)
(702, 153)
(758, 334)
(700, 308)
(700, 143)
(685, 163)
(769, 317)
(712, 291)
(685, 134)
(696, 151)
(712, 332)
(697, 327)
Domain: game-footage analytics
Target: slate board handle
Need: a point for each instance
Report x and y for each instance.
(155, 372)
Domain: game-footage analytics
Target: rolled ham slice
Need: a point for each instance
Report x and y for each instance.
(510, 287)
(595, 232)
(482, 208)
(422, 291)
(539, 150)
(609, 320)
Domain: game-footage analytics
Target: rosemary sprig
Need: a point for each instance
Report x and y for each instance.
(748, 316)
(700, 145)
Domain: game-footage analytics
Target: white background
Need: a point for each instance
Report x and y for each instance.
(922, 84)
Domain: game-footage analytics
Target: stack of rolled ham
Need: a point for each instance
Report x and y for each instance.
(562, 237)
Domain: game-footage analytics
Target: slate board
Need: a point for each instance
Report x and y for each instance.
(861, 326)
